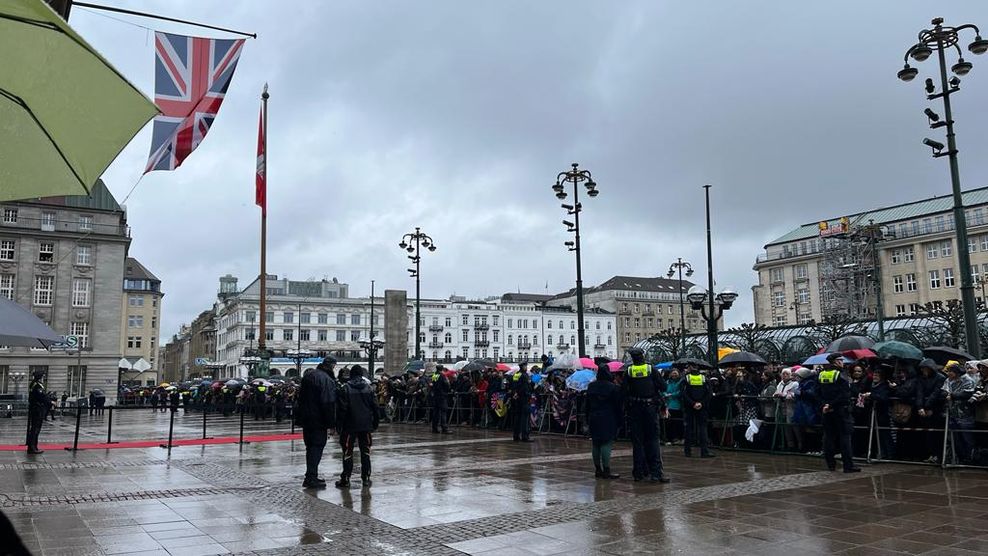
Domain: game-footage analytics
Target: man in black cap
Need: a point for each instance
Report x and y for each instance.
(358, 418)
(644, 390)
(835, 409)
(316, 414)
(38, 403)
(439, 389)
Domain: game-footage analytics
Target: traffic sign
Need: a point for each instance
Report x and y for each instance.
(201, 361)
(68, 342)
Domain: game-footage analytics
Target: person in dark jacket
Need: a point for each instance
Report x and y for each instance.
(644, 390)
(929, 407)
(439, 389)
(696, 394)
(358, 418)
(37, 407)
(316, 414)
(521, 393)
(604, 417)
(880, 394)
(834, 393)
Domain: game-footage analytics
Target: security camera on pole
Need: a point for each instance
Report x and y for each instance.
(942, 38)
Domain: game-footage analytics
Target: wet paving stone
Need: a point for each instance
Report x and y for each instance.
(477, 492)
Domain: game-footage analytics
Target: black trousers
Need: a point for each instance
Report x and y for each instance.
(695, 422)
(838, 425)
(645, 441)
(523, 423)
(34, 422)
(439, 414)
(363, 440)
(315, 442)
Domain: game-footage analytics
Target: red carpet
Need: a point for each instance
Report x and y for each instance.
(154, 443)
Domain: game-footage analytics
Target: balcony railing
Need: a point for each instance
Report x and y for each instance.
(599, 346)
(562, 346)
(481, 343)
(435, 328)
(435, 345)
(481, 326)
(524, 345)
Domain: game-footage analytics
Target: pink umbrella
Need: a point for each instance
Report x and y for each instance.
(615, 366)
(587, 363)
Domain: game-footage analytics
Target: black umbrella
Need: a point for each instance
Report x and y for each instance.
(486, 363)
(942, 354)
(848, 343)
(742, 359)
(687, 361)
(472, 366)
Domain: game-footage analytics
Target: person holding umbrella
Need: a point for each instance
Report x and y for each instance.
(316, 414)
(604, 416)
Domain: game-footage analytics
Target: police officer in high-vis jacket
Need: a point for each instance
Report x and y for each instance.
(439, 390)
(37, 407)
(834, 392)
(644, 389)
(696, 393)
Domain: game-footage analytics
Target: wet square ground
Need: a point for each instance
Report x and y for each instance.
(477, 492)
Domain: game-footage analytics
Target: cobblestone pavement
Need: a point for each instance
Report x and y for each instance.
(476, 492)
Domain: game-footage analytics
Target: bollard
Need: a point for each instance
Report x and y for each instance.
(291, 416)
(242, 429)
(78, 421)
(204, 413)
(109, 428)
(171, 430)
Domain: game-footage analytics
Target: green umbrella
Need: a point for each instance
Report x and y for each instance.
(65, 113)
(894, 349)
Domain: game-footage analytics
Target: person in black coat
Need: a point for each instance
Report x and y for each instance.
(930, 399)
(880, 394)
(439, 390)
(37, 407)
(834, 395)
(316, 414)
(697, 393)
(604, 417)
(521, 393)
(358, 418)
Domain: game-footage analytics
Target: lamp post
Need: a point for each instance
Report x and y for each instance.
(251, 362)
(711, 306)
(679, 265)
(576, 177)
(941, 38)
(413, 243)
(372, 344)
(299, 355)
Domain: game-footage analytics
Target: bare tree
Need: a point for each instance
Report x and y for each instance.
(833, 327)
(670, 341)
(946, 323)
(749, 335)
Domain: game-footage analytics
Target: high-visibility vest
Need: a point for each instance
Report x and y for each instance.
(639, 371)
(829, 377)
(435, 377)
(695, 379)
(517, 377)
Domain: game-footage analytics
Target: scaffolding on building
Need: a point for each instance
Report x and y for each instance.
(849, 270)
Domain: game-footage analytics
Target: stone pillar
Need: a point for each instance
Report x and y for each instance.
(395, 330)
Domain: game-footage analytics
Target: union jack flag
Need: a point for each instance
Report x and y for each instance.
(191, 75)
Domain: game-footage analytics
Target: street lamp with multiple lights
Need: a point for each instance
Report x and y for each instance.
(711, 306)
(17, 377)
(413, 242)
(939, 39)
(299, 355)
(576, 176)
(681, 265)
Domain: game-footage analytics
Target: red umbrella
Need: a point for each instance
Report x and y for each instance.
(615, 366)
(502, 367)
(449, 374)
(860, 354)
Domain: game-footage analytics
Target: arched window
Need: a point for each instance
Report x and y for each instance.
(550, 340)
(448, 355)
(449, 338)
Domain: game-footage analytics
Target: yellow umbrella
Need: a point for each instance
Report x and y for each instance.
(722, 351)
(65, 113)
(164, 385)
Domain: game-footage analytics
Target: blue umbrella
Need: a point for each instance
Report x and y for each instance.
(666, 365)
(536, 378)
(821, 359)
(580, 379)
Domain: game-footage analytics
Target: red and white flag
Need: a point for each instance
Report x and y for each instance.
(260, 179)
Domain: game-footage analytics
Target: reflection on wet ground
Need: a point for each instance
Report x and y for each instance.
(477, 492)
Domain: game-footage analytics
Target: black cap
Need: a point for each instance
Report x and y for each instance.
(327, 363)
(356, 370)
(637, 355)
(834, 357)
(929, 364)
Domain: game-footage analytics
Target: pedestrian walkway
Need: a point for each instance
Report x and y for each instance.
(478, 492)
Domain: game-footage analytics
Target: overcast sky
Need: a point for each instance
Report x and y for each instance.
(456, 117)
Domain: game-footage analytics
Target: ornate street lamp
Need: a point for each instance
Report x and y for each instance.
(576, 177)
(17, 377)
(413, 243)
(680, 265)
(700, 300)
(939, 39)
(299, 355)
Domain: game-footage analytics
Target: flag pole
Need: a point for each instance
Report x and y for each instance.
(264, 231)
